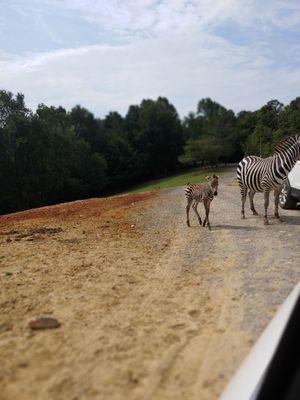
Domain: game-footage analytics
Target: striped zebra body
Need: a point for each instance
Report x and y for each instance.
(256, 174)
(201, 193)
(198, 192)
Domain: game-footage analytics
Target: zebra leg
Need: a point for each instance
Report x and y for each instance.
(244, 197)
(206, 219)
(251, 197)
(267, 196)
(195, 205)
(276, 201)
(188, 206)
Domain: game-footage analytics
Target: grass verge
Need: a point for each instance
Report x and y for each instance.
(194, 176)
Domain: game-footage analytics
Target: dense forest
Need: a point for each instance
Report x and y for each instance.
(53, 155)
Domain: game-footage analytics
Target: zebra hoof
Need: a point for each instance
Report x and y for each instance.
(255, 213)
(266, 222)
(188, 224)
(277, 217)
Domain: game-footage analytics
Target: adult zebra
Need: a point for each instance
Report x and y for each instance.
(258, 174)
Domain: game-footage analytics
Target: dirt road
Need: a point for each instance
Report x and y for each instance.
(150, 309)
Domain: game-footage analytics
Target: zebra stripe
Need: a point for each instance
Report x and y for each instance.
(258, 174)
(196, 193)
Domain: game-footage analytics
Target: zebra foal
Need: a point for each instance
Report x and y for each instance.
(258, 174)
(204, 193)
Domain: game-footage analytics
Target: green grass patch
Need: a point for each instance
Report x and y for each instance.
(194, 176)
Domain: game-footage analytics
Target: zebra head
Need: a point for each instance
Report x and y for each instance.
(214, 183)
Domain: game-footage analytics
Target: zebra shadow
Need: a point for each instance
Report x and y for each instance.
(234, 227)
(291, 219)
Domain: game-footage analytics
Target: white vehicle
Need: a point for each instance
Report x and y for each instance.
(290, 193)
(271, 369)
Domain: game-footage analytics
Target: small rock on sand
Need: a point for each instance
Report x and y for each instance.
(43, 322)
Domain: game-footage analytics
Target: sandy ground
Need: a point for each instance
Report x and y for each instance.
(150, 309)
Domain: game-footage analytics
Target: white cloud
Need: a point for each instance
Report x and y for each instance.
(140, 17)
(169, 48)
(151, 15)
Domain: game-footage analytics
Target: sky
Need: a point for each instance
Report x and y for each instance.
(109, 54)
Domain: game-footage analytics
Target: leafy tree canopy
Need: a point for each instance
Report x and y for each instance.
(55, 155)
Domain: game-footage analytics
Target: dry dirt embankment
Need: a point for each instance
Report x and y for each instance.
(150, 309)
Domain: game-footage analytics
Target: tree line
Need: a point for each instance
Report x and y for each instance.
(53, 155)
(214, 133)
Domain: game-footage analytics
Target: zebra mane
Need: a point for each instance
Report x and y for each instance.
(285, 144)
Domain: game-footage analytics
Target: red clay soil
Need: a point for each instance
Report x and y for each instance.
(88, 208)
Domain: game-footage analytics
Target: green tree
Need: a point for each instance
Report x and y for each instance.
(160, 139)
(260, 141)
(113, 124)
(269, 115)
(132, 125)
(291, 115)
(217, 134)
(246, 123)
(88, 128)
(219, 124)
(11, 105)
(67, 162)
(192, 126)
(121, 162)
(205, 149)
(14, 127)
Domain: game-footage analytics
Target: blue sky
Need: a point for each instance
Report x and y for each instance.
(108, 54)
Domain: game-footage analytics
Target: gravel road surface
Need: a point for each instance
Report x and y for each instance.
(149, 308)
(231, 280)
